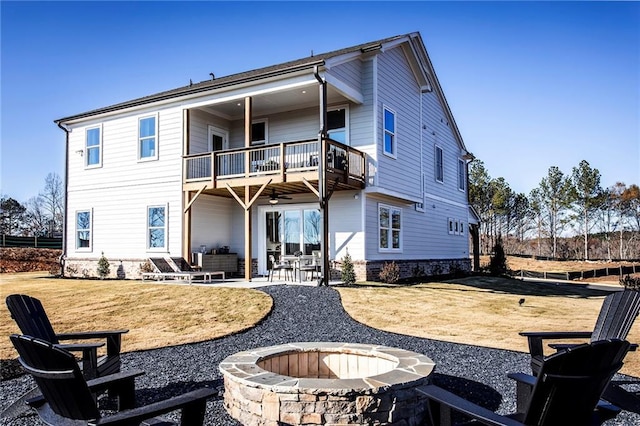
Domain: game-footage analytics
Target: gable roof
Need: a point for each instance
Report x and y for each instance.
(233, 79)
(308, 63)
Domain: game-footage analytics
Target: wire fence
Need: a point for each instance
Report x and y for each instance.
(574, 275)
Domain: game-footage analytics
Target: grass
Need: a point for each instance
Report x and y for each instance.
(156, 315)
(480, 311)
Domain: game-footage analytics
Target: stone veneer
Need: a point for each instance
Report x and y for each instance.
(326, 383)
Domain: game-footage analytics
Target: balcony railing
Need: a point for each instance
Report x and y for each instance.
(283, 159)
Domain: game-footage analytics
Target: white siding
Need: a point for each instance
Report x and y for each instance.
(211, 222)
(199, 122)
(120, 191)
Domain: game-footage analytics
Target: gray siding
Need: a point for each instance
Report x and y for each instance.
(350, 73)
(399, 91)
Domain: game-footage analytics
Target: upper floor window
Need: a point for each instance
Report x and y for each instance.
(439, 164)
(157, 227)
(83, 230)
(389, 223)
(93, 147)
(389, 132)
(461, 174)
(337, 125)
(147, 140)
(259, 132)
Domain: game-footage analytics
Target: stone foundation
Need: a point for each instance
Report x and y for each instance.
(369, 270)
(326, 384)
(120, 269)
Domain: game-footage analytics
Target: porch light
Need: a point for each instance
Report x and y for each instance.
(273, 201)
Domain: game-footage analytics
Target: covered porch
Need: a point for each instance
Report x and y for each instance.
(250, 149)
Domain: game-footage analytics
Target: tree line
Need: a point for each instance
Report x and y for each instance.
(567, 216)
(40, 216)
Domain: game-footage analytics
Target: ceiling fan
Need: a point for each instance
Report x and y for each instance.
(273, 198)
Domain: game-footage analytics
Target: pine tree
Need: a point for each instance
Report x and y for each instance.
(103, 267)
(348, 272)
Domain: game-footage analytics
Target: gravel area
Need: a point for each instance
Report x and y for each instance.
(304, 313)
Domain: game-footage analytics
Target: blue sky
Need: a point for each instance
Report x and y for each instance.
(530, 84)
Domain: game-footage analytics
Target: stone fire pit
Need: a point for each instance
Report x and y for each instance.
(325, 383)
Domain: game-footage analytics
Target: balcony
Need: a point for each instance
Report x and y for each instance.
(289, 162)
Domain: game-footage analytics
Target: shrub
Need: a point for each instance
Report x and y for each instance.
(348, 275)
(498, 262)
(146, 266)
(390, 273)
(103, 267)
(630, 283)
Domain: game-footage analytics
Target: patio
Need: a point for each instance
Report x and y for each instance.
(308, 313)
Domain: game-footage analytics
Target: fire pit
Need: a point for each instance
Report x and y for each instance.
(325, 383)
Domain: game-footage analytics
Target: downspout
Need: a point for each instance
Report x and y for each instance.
(322, 187)
(66, 192)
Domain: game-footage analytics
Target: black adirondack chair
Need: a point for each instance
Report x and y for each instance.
(566, 392)
(32, 320)
(619, 311)
(67, 397)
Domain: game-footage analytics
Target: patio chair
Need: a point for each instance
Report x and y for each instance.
(185, 267)
(68, 398)
(566, 391)
(285, 266)
(32, 320)
(619, 311)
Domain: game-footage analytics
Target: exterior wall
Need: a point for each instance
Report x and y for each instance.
(119, 192)
(399, 91)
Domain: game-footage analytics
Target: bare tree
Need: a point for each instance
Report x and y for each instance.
(53, 201)
(36, 220)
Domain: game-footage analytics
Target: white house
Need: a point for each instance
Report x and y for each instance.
(353, 151)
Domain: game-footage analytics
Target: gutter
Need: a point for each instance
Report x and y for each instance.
(66, 192)
(177, 93)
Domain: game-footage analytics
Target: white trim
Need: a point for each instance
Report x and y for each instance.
(219, 131)
(347, 131)
(406, 198)
(344, 89)
(266, 132)
(90, 229)
(390, 248)
(437, 148)
(164, 248)
(100, 147)
(462, 178)
(262, 228)
(450, 226)
(394, 134)
(155, 136)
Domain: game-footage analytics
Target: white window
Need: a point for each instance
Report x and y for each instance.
(337, 120)
(83, 230)
(451, 230)
(389, 124)
(439, 164)
(461, 174)
(390, 228)
(259, 132)
(461, 228)
(93, 147)
(147, 138)
(157, 228)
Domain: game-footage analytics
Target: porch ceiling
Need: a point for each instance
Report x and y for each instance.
(279, 101)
